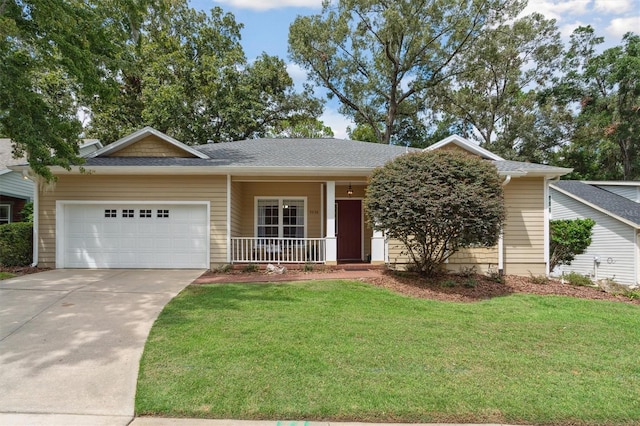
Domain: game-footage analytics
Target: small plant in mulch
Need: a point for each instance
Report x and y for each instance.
(577, 279)
(250, 268)
(448, 283)
(222, 269)
(470, 283)
(538, 279)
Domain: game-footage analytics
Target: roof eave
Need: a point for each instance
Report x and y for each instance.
(216, 170)
(595, 206)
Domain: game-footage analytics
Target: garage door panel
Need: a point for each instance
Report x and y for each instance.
(135, 236)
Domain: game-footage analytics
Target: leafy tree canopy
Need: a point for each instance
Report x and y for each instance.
(602, 93)
(50, 53)
(382, 59)
(188, 77)
(435, 203)
(495, 92)
(128, 64)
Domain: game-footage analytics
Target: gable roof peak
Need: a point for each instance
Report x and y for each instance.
(141, 134)
(467, 145)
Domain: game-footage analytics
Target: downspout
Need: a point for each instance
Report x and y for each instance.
(501, 239)
(36, 221)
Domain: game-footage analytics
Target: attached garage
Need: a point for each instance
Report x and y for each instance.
(132, 234)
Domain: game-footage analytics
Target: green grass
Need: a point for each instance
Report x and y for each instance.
(6, 275)
(341, 350)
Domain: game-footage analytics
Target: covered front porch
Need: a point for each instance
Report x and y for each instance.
(295, 221)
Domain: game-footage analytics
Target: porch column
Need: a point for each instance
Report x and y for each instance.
(377, 248)
(331, 244)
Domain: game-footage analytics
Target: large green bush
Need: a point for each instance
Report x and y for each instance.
(16, 244)
(569, 238)
(435, 203)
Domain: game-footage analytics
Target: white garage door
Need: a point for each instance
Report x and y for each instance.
(134, 236)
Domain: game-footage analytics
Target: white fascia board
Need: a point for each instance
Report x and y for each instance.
(553, 173)
(209, 170)
(139, 134)
(595, 207)
(466, 145)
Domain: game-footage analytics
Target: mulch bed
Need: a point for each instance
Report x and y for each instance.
(448, 288)
(473, 288)
(22, 270)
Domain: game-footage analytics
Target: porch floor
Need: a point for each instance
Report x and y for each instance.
(335, 272)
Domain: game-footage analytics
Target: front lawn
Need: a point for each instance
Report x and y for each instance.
(344, 350)
(6, 275)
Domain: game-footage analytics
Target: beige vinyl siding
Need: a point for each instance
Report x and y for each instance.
(355, 180)
(134, 188)
(524, 228)
(236, 208)
(151, 146)
(482, 259)
(523, 234)
(250, 190)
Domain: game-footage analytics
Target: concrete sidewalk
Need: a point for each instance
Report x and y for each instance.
(71, 342)
(156, 421)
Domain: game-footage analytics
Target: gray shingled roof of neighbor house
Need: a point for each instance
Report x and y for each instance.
(608, 201)
(296, 153)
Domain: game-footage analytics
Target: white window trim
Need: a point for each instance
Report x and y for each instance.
(8, 206)
(280, 224)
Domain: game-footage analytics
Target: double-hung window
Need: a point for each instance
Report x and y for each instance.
(5, 213)
(280, 217)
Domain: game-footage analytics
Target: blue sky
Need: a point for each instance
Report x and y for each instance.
(266, 27)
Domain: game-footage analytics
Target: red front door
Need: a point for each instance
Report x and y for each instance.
(349, 229)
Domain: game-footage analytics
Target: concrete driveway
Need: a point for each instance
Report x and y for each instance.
(71, 341)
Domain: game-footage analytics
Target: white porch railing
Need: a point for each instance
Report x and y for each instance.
(277, 250)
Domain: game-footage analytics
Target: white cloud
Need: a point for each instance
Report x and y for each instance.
(567, 29)
(298, 75)
(556, 9)
(613, 6)
(620, 26)
(337, 122)
(270, 4)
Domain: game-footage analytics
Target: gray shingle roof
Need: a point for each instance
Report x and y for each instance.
(303, 153)
(296, 153)
(608, 201)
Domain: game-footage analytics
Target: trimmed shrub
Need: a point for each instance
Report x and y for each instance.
(16, 244)
(436, 203)
(569, 237)
(577, 279)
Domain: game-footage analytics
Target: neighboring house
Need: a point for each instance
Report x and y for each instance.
(16, 188)
(615, 244)
(150, 201)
